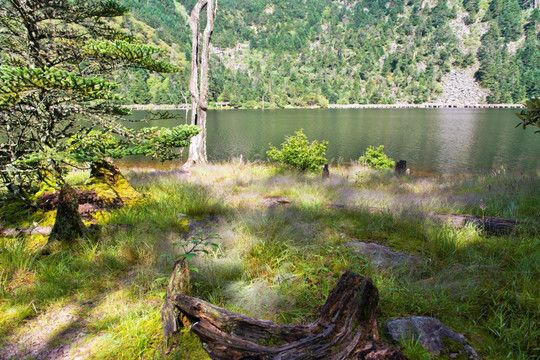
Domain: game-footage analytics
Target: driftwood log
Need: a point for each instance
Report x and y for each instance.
(346, 328)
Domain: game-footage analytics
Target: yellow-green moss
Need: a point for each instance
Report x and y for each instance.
(109, 193)
(18, 214)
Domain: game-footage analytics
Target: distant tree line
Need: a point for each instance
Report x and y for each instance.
(322, 51)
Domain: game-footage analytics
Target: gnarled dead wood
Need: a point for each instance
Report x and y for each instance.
(345, 329)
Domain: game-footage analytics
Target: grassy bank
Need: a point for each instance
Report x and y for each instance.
(101, 299)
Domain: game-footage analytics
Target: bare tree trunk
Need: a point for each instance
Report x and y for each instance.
(199, 69)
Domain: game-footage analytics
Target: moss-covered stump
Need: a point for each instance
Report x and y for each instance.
(346, 328)
(68, 225)
(109, 184)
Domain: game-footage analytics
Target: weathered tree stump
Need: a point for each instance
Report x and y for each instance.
(346, 328)
(171, 318)
(325, 172)
(401, 167)
(68, 225)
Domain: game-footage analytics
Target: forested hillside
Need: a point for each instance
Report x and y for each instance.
(306, 53)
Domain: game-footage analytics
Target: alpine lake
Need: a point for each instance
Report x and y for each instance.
(432, 141)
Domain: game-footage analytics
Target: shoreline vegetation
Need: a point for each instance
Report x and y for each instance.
(226, 106)
(281, 251)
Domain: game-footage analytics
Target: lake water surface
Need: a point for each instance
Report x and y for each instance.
(431, 140)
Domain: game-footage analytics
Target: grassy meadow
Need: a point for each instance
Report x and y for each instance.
(101, 298)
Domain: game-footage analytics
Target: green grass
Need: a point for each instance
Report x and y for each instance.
(280, 263)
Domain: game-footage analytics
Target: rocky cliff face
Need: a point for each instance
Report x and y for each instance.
(460, 88)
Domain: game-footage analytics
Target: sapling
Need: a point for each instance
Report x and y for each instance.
(200, 242)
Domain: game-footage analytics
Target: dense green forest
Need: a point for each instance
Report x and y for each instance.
(311, 53)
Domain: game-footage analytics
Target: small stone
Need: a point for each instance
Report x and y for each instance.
(180, 215)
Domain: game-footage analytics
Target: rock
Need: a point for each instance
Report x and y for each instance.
(181, 215)
(432, 334)
(461, 88)
(275, 201)
(382, 257)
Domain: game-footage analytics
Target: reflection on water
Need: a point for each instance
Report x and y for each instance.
(432, 140)
(456, 135)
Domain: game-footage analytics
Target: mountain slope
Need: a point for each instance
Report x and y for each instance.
(316, 52)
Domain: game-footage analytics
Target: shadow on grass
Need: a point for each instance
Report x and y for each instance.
(285, 260)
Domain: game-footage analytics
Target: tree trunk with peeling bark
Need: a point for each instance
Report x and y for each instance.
(345, 330)
(200, 54)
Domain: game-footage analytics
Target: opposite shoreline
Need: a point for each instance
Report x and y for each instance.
(225, 106)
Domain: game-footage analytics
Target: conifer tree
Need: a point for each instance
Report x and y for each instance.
(56, 56)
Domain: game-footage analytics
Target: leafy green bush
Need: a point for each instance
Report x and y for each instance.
(530, 116)
(376, 158)
(297, 152)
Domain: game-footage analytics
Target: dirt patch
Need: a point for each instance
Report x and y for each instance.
(49, 336)
(89, 202)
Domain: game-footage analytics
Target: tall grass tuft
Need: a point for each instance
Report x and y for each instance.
(15, 256)
(168, 198)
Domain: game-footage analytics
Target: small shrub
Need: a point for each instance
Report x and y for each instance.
(297, 152)
(376, 158)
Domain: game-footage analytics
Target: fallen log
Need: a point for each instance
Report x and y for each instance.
(490, 225)
(346, 328)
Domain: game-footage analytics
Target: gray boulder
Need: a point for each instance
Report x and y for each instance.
(432, 334)
(382, 257)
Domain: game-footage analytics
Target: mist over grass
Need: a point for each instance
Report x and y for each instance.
(280, 262)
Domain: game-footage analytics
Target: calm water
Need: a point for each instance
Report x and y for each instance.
(431, 140)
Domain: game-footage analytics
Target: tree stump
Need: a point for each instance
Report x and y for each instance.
(171, 319)
(346, 328)
(401, 167)
(105, 171)
(325, 172)
(68, 225)
(110, 185)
